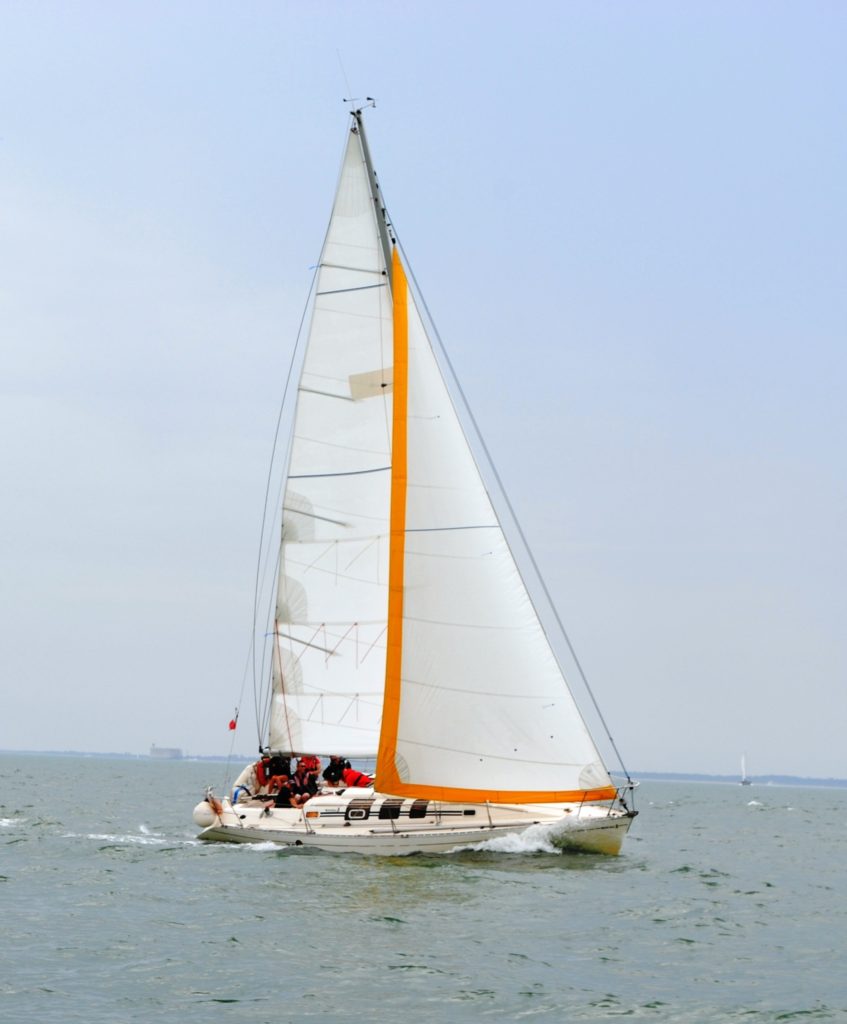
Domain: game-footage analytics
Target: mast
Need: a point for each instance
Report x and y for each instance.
(386, 236)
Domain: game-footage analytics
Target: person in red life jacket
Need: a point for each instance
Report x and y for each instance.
(356, 779)
(311, 764)
(263, 772)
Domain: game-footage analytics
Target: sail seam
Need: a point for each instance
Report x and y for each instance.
(495, 627)
(549, 697)
(348, 312)
(346, 448)
(497, 757)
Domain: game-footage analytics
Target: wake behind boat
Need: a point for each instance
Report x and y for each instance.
(402, 629)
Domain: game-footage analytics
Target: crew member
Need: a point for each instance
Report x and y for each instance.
(334, 770)
(354, 778)
(302, 786)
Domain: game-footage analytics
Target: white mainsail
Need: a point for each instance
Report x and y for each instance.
(329, 655)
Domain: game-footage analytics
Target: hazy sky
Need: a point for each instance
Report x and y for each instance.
(628, 220)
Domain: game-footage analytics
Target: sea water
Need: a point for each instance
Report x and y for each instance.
(727, 904)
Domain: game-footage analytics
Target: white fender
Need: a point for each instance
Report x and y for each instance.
(204, 816)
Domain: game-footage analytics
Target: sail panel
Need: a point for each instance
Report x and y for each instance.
(327, 724)
(324, 580)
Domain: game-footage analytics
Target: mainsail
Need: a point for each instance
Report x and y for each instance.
(331, 614)
(396, 579)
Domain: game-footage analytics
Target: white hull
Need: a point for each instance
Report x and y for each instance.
(357, 821)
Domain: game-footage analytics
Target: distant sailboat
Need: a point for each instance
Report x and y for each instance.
(745, 780)
(403, 630)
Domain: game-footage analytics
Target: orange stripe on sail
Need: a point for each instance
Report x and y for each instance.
(387, 778)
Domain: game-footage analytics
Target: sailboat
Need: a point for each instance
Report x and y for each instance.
(745, 779)
(403, 630)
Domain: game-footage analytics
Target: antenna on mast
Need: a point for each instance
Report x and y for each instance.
(356, 104)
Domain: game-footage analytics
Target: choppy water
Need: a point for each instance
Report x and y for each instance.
(728, 904)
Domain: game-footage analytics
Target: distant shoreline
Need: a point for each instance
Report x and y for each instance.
(758, 780)
(755, 781)
(126, 756)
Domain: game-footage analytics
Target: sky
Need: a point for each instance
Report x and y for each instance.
(628, 222)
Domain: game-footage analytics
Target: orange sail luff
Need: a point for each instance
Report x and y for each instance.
(387, 779)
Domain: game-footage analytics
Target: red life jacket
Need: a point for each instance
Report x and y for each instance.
(261, 776)
(310, 762)
(353, 778)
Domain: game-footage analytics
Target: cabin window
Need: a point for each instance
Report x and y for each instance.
(418, 809)
(390, 809)
(358, 810)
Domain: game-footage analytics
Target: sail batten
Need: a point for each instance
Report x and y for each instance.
(349, 472)
(355, 288)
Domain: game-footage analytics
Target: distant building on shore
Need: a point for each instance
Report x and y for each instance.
(166, 753)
